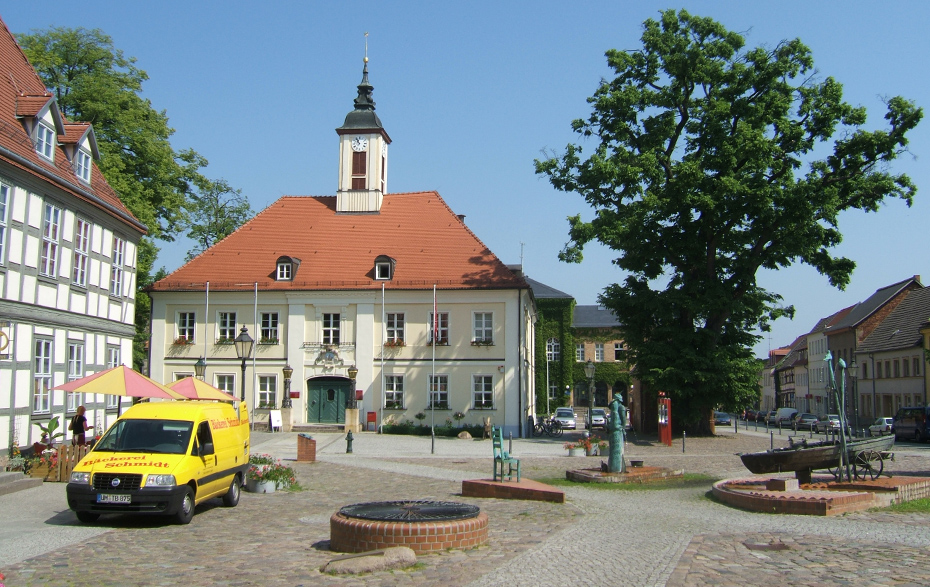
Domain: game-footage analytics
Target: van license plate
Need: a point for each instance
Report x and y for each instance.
(113, 498)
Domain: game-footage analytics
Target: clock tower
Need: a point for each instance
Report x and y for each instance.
(363, 150)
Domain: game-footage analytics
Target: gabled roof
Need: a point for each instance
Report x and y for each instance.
(901, 328)
(864, 309)
(429, 243)
(830, 320)
(23, 95)
(542, 291)
(594, 317)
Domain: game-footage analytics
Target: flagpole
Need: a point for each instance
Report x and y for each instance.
(381, 409)
(433, 382)
(206, 318)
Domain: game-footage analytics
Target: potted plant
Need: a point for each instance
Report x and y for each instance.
(224, 340)
(48, 432)
(575, 448)
(483, 342)
(182, 340)
(394, 343)
(268, 340)
(266, 474)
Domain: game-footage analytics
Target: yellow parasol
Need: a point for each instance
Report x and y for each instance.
(121, 381)
(193, 388)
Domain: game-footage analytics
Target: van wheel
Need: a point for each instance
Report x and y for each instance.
(87, 517)
(231, 498)
(186, 513)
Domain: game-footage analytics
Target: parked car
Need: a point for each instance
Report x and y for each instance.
(805, 421)
(749, 415)
(828, 423)
(770, 417)
(566, 417)
(761, 415)
(881, 427)
(598, 418)
(722, 419)
(911, 424)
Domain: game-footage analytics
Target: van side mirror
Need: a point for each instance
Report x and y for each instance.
(206, 449)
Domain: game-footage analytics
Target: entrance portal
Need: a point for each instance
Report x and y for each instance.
(326, 400)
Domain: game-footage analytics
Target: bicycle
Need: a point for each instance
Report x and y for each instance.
(551, 427)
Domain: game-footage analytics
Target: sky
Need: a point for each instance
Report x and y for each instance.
(472, 93)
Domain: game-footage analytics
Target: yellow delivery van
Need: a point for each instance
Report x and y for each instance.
(164, 458)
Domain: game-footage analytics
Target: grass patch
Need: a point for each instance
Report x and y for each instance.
(921, 506)
(687, 481)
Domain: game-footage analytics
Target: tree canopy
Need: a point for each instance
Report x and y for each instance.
(216, 210)
(713, 161)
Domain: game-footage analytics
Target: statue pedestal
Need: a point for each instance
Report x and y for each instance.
(286, 424)
(352, 424)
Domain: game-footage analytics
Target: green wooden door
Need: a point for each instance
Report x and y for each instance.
(327, 400)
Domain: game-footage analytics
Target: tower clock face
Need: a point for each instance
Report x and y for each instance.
(359, 144)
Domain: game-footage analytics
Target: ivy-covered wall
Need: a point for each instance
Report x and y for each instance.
(554, 321)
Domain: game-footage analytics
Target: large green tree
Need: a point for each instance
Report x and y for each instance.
(712, 161)
(216, 210)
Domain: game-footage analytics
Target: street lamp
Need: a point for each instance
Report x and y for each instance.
(286, 400)
(200, 368)
(353, 373)
(589, 373)
(243, 344)
(853, 371)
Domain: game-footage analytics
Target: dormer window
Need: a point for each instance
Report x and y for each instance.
(45, 140)
(286, 268)
(82, 165)
(384, 268)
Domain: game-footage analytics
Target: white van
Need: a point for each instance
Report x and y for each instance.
(784, 416)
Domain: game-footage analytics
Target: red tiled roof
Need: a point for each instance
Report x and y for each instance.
(428, 242)
(74, 131)
(22, 93)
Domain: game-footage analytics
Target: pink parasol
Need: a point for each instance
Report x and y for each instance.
(193, 388)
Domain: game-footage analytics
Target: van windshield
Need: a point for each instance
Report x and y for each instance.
(156, 436)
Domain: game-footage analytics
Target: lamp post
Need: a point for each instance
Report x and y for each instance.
(589, 373)
(200, 368)
(352, 373)
(286, 400)
(853, 371)
(243, 344)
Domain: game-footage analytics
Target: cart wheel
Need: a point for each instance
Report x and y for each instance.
(836, 472)
(868, 464)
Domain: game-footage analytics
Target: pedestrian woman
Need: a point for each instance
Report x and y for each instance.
(79, 426)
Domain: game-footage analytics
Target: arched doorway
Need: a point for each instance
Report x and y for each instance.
(326, 400)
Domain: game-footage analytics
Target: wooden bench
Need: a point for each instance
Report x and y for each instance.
(502, 457)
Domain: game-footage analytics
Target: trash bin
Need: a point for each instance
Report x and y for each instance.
(306, 448)
(372, 422)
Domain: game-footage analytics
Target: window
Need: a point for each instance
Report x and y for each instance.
(907, 368)
(113, 360)
(116, 273)
(269, 328)
(599, 352)
(888, 369)
(897, 368)
(483, 392)
(267, 391)
(442, 336)
(45, 140)
(186, 323)
(383, 270)
(75, 371)
(438, 392)
(865, 370)
(284, 271)
(50, 235)
(4, 200)
(618, 351)
(330, 328)
(553, 391)
(227, 383)
(484, 328)
(395, 329)
(42, 397)
(394, 392)
(81, 252)
(359, 164)
(579, 352)
(553, 349)
(82, 165)
(916, 366)
(226, 322)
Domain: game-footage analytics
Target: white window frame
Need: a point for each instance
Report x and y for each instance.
(284, 271)
(383, 271)
(394, 392)
(75, 371)
(553, 390)
(618, 351)
(267, 391)
(116, 271)
(226, 382)
(42, 377)
(186, 326)
(225, 326)
(395, 328)
(269, 327)
(114, 359)
(330, 323)
(553, 349)
(579, 352)
(482, 392)
(51, 234)
(438, 397)
(82, 165)
(483, 327)
(45, 141)
(5, 192)
(598, 352)
(443, 338)
(81, 252)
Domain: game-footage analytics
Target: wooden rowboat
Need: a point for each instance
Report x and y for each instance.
(804, 457)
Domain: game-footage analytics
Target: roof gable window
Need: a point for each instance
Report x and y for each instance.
(82, 165)
(45, 141)
(286, 268)
(384, 268)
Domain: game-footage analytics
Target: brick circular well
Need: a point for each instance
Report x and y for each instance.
(351, 534)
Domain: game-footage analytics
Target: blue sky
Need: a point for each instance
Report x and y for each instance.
(471, 93)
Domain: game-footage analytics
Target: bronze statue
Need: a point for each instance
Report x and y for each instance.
(617, 428)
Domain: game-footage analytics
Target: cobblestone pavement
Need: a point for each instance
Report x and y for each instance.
(599, 537)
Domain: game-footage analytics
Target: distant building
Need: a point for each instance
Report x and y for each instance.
(67, 259)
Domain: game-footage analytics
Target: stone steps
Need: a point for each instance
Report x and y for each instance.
(15, 481)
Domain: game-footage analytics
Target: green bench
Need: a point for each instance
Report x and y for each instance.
(502, 457)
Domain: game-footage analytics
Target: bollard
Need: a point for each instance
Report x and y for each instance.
(684, 436)
(779, 427)
(736, 426)
(510, 445)
(771, 440)
(349, 442)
